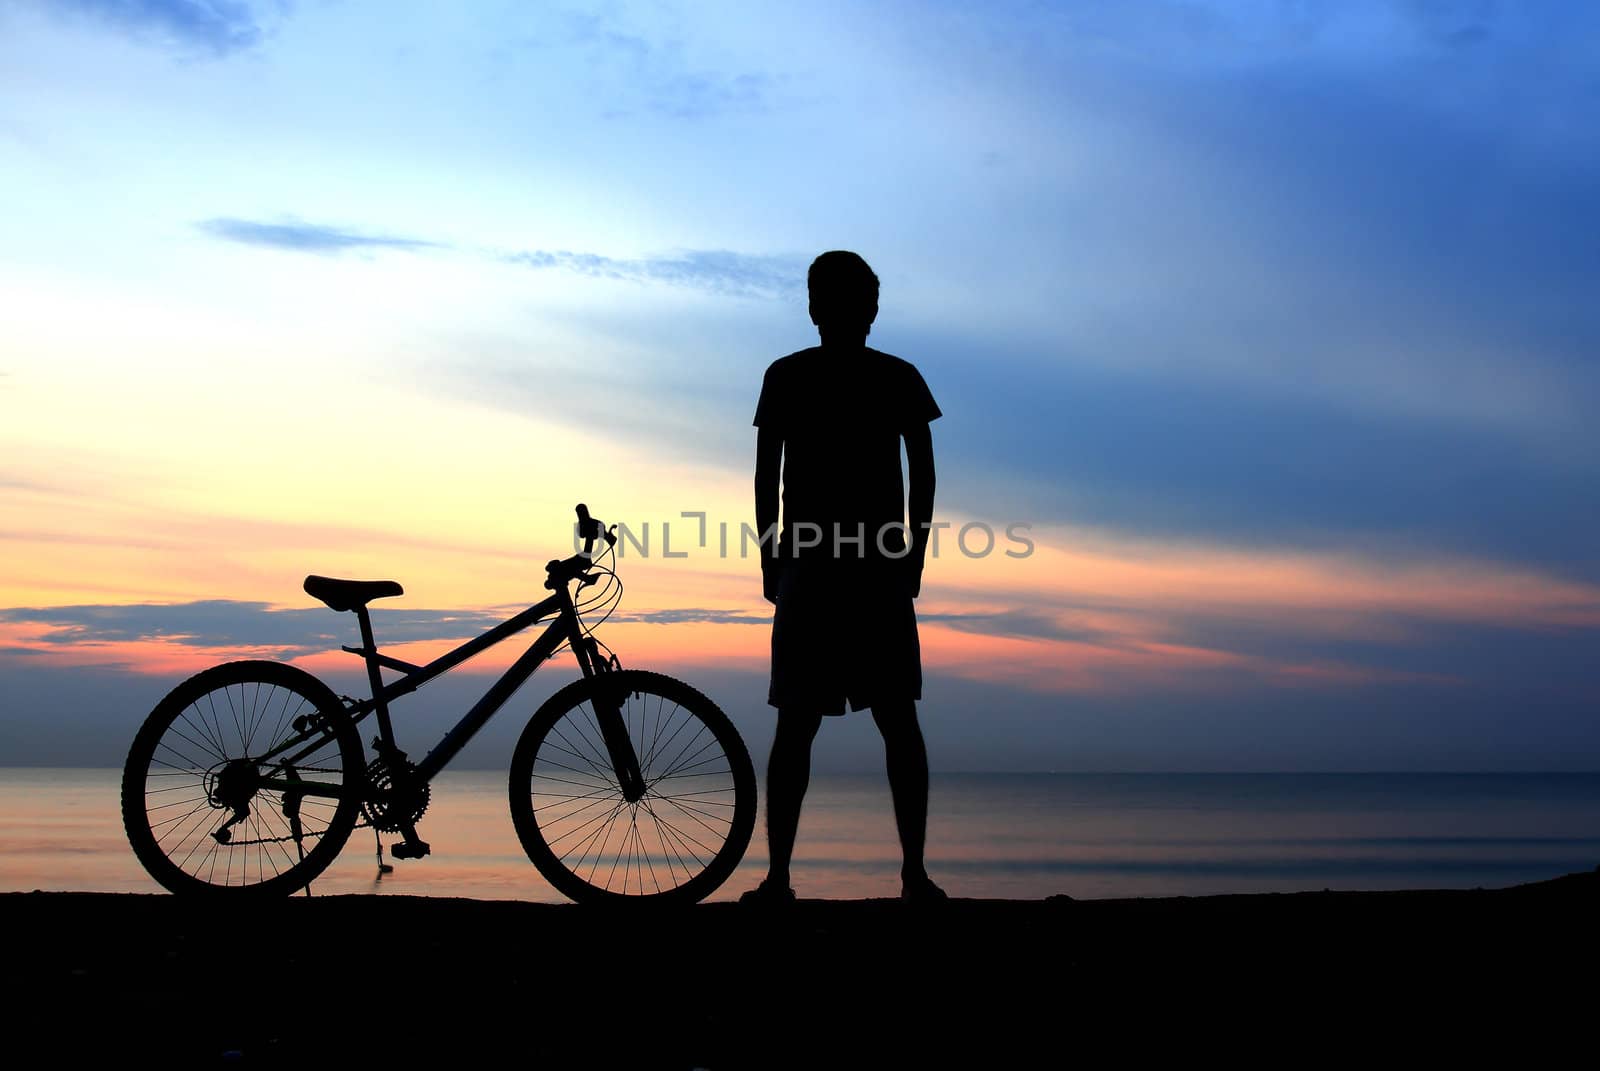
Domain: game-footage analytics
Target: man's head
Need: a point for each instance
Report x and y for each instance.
(844, 295)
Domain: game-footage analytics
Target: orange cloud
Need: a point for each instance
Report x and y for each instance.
(1084, 612)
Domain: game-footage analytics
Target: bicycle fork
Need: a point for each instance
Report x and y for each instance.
(614, 729)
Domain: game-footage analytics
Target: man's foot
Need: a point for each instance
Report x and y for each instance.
(922, 890)
(768, 894)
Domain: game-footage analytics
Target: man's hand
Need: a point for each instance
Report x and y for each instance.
(769, 460)
(919, 469)
(911, 574)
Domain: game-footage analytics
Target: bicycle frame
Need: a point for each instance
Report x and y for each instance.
(566, 628)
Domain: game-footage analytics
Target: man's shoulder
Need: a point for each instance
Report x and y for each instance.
(896, 364)
(805, 365)
(790, 360)
(901, 379)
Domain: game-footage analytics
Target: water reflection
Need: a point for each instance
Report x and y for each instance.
(1002, 836)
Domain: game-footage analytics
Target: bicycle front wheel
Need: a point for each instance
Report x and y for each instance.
(243, 781)
(680, 840)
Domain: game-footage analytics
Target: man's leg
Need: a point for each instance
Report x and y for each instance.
(788, 775)
(907, 758)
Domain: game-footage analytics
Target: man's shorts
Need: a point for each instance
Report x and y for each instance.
(844, 631)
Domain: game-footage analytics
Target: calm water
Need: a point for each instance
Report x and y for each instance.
(990, 835)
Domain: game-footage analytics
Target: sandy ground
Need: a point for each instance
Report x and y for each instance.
(1506, 975)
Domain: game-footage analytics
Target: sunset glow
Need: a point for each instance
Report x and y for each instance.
(313, 289)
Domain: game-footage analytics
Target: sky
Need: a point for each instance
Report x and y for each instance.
(1268, 326)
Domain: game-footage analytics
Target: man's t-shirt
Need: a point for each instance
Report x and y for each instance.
(841, 413)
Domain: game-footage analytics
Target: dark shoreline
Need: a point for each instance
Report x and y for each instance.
(1295, 978)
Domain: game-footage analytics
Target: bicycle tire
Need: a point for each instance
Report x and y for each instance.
(567, 806)
(212, 723)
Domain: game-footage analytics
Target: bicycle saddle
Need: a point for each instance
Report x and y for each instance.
(350, 594)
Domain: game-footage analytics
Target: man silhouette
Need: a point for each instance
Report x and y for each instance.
(842, 574)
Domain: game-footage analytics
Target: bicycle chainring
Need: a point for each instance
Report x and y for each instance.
(398, 797)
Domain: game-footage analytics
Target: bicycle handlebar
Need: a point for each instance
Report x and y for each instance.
(590, 529)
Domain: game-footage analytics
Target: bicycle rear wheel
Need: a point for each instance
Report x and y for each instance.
(206, 813)
(681, 840)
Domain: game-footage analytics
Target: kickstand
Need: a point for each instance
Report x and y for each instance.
(383, 868)
(300, 850)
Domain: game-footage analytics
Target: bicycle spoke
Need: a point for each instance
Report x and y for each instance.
(215, 722)
(615, 862)
(705, 808)
(645, 854)
(696, 843)
(251, 717)
(203, 729)
(569, 796)
(575, 784)
(687, 744)
(601, 768)
(211, 746)
(175, 803)
(686, 755)
(227, 695)
(602, 825)
(569, 769)
(599, 750)
(661, 745)
(595, 821)
(190, 786)
(605, 841)
(670, 839)
(700, 820)
(699, 792)
(193, 773)
(666, 846)
(599, 801)
(275, 738)
(178, 820)
(193, 765)
(594, 768)
(677, 840)
(201, 840)
(691, 762)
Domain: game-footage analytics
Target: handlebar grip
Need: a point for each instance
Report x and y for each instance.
(588, 528)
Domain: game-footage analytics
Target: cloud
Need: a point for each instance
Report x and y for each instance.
(653, 75)
(215, 26)
(19, 483)
(303, 237)
(711, 270)
(1026, 624)
(1227, 33)
(688, 614)
(1176, 455)
(221, 623)
(696, 96)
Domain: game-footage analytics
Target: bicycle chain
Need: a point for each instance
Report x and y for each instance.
(363, 824)
(284, 840)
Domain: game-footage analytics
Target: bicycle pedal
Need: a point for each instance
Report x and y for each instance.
(413, 850)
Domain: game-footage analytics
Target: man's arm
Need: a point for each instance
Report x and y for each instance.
(769, 455)
(919, 462)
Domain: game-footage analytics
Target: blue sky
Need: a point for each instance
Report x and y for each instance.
(1280, 279)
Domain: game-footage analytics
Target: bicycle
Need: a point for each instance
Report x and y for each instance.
(249, 777)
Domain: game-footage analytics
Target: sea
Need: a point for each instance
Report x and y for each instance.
(993, 836)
